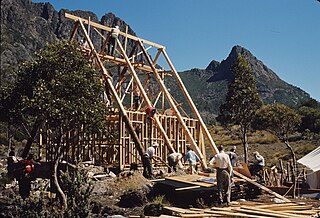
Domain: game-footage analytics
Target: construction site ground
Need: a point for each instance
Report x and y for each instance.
(129, 194)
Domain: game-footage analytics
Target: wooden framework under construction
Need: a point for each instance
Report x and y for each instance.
(136, 70)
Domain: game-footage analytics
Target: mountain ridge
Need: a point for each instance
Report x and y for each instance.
(27, 27)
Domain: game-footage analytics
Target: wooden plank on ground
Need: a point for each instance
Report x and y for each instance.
(302, 212)
(187, 188)
(296, 207)
(271, 212)
(190, 179)
(234, 214)
(261, 186)
(276, 205)
(180, 210)
(260, 213)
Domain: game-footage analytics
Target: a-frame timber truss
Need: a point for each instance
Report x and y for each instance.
(137, 70)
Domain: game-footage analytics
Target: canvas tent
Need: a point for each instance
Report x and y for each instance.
(312, 161)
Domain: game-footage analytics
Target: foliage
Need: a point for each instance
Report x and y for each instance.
(242, 99)
(278, 119)
(59, 86)
(38, 205)
(310, 112)
(78, 191)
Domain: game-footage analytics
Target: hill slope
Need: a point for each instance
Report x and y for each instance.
(208, 87)
(27, 27)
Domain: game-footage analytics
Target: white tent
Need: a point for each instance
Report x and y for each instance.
(312, 161)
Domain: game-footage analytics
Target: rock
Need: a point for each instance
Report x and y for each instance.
(153, 210)
(133, 199)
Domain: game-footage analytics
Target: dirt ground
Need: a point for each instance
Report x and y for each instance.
(126, 194)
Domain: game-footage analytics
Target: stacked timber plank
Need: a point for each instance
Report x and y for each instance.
(250, 209)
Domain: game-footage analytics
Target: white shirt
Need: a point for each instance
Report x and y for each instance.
(150, 151)
(221, 161)
(115, 32)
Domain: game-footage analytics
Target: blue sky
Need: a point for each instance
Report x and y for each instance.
(284, 34)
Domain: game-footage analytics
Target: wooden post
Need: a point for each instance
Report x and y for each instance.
(145, 97)
(282, 171)
(191, 103)
(261, 186)
(173, 106)
(114, 93)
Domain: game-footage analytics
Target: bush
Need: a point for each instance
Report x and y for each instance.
(78, 192)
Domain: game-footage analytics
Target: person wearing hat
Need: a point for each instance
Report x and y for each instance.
(113, 40)
(222, 163)
(147, 160)
(258, 164)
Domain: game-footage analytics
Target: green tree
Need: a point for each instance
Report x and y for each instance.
(282, 121)
(242, 100)
(59, 87)
(310, 112)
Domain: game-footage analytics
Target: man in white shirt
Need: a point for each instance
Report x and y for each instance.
(113, 40)
(258, 165)
(147, 161)
(174, 162)
(222, 163)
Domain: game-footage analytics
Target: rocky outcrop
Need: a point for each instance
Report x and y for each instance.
(27, 27)
(209, 86)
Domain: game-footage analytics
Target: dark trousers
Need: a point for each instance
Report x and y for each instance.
(24, 186)
(256, 170)
(172, 164)
(147, 167)
(112, 45)
(224, 185)
(136, 101)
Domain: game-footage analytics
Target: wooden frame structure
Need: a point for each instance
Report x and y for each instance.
(136, 68)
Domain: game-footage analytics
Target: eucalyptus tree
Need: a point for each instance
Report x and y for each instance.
(282, 121)
(242, 100)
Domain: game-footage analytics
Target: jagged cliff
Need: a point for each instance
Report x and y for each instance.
(209, 86)
(27, 27)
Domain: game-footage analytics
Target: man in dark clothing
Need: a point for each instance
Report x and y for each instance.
(147, 161)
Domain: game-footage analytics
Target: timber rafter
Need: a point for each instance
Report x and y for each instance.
(139, 69)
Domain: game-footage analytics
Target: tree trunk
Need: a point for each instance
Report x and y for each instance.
(294, 176)
(55, 174)
(245, 144)
(33, 135)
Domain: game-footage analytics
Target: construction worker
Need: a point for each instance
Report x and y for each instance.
(113, 40)
(192, 158)
(24, 179)
(258, 165)
(233, 156)
(136, 97)
(174, 162)
(222, 163)
(147, 160)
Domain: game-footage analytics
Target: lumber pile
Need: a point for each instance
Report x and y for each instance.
(250, 209)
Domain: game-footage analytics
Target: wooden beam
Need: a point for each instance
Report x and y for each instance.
(187, 188)
(174, 107)
(114, 93)
(97, 25)
(74, 31)
(191, 103)
(267, 212)
(261, 186)
(145, 97)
